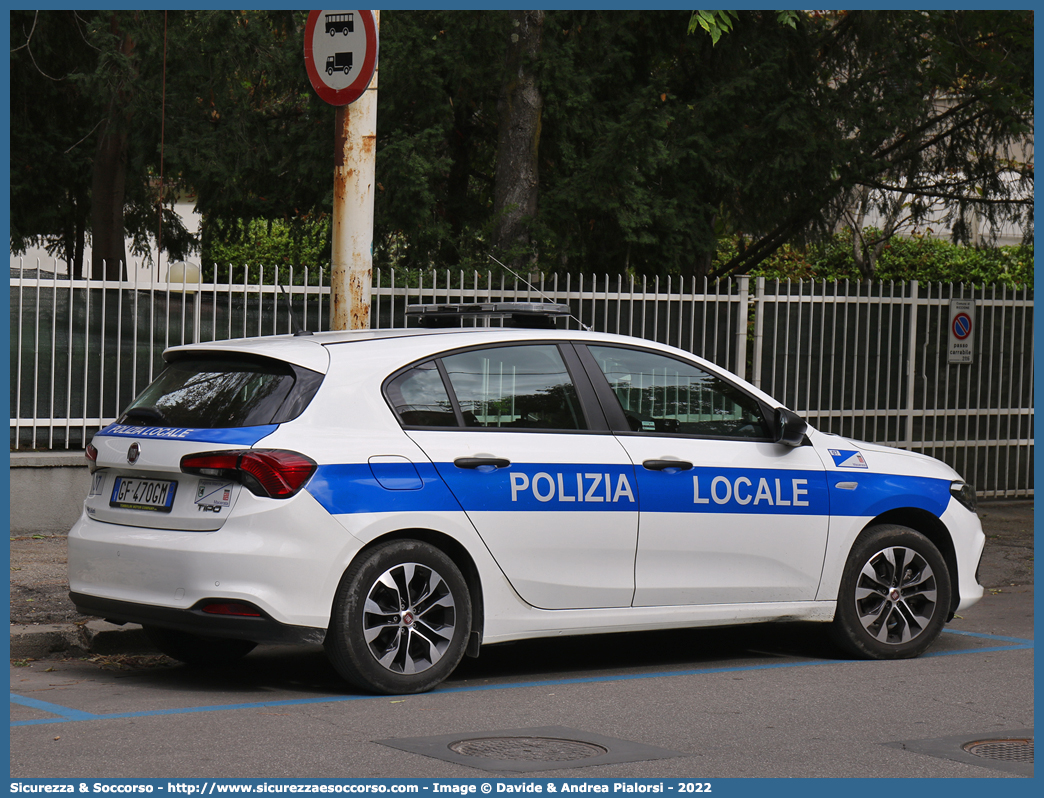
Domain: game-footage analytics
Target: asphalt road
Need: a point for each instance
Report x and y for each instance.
(764, 701)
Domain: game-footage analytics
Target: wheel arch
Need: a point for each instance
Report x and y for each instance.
(453, 549)
(932, 528)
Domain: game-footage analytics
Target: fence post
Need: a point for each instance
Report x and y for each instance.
(741, 327)
(911, 366)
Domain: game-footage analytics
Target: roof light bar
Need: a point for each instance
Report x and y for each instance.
(534, 315)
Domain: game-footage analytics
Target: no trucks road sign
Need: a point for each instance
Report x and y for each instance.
(962, 331)
(340, 54)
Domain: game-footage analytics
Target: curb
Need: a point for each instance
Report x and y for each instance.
(38, 641)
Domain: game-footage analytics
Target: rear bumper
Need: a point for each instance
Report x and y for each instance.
(286, 558)
(258, 629)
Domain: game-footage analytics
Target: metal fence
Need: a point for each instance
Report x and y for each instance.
(865, 360)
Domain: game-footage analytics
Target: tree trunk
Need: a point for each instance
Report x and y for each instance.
(108, 184)
(855, 217)
(108, 187)
(701, 265)
(458, 179)
(82, 219)
(517, 175)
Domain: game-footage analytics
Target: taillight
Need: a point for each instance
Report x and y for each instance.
(274, 473)
(91, 453)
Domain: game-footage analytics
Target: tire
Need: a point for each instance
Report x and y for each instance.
(894, 597)
(401, 619)
(198, 650)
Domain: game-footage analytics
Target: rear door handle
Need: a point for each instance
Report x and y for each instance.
(477, 462)
(663, 465)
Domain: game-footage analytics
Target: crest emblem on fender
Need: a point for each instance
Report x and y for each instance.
(133, 453)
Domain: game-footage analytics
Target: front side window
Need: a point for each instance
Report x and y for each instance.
(515, 387)
(662, 394)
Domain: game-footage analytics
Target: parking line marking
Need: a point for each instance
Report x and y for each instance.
(67, 715)
(985, 636)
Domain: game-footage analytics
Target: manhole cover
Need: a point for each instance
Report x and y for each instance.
(1010, 753)
(1019, 750)
(528, 749)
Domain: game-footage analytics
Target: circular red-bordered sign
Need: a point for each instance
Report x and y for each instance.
(340, 53)
(962, 326)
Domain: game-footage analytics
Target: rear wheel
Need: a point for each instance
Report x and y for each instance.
(401, 619)
(199, 650)
(894, 597)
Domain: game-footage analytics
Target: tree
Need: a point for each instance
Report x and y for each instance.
(441, 74)
(50, 163)
(520, 106)
(656, 143)
(924, 107)
(638, 147)
(233, 101)
(83, 147)
(244, 130)
(109, 173)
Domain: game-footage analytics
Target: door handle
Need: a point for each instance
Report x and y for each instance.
(478, 462)
(663, 465)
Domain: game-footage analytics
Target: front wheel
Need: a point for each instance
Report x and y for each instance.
(401, 619)
(894, 597)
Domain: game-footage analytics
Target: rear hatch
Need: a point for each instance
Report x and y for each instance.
(201, 403)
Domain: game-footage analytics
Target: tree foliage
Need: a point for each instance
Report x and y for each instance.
(925, 107)
(902, 259)
(217, 103)
(50, 163)
(279, 248)
(437, 137)
(649, 145)
(717, 23)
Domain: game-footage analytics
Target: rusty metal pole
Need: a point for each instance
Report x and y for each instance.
(351, 272)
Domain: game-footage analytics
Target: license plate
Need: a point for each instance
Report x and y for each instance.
(156, 495)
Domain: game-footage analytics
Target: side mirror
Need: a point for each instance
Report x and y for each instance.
(790, 427)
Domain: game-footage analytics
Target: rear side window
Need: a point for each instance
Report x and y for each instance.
(419, 398)
(519, 387)
(224, 392)
(515, 387)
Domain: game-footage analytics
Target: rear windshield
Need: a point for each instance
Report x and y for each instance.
(224, 392)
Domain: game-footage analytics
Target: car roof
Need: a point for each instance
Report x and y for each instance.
(306, 350)
(313, 350)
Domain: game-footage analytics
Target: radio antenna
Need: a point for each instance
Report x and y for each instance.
(542, 294)
(298, 329)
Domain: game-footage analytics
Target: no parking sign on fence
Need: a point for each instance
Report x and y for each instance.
(962, 331)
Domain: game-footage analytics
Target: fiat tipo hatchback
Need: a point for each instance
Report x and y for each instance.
(404, 497)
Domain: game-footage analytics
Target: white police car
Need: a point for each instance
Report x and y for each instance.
(407, 496)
